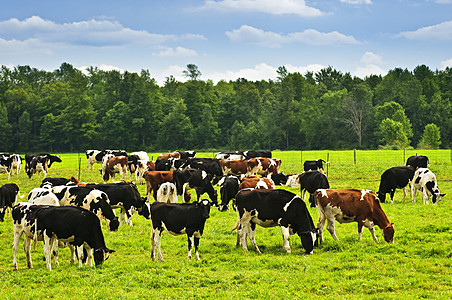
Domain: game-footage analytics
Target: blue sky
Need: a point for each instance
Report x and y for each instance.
(227, 39)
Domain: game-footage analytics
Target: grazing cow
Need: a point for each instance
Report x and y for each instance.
(210, 165)
(154, 179)
(124, 195)
(134, 157)
(38, 164)
(8, 195)
(196, 179)
(49, 159)
(90, 199)
(257, 153)
(74, 225)
(93, 157)
(235, 155)
(167, 155)
(314, 165)
(16, 163)
(5, 165)
(54, 181)
(425, 180)
(177, 219)
(395, 178)
(352, 205)
(416, 162)
(229, 187)
(167, 193)
(234, 167)
(256, 183)
(263, 166)
(311, 181)
(116, 164)
(269, 208)
(187, 154)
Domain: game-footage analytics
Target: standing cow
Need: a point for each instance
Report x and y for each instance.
(396, 178)
(425, 180)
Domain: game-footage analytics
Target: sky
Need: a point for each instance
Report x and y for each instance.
(227, 39)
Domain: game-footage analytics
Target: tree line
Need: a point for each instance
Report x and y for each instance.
(68, 110)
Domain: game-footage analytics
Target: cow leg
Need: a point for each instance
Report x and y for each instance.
(286, 238)
(321, 223)
(331, 228)
(405, 192)
(48, 243)
(190, 242)
(424, 196)
(27, 249)
(372, 231)
(251, 235)
(196, 242)
(55, 250)
(16, 242)
(80, 255)
(391, 193)
(413, 193)
(122, 216)
(152, 245)
(89, 252)
(156, 236)
(72, 248)
(239, 235)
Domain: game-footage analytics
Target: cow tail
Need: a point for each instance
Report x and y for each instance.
(35, 236)
(238, 220)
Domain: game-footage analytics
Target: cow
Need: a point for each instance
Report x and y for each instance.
(54, 181)
(197, 179)
(269, 208)
(168, 155)
(153, 181)
(256, 183)
(167, 193)
(43, 196)
(229, 187)
(133, 158)
(425, 180)
(187, 154)
(5, 165)
(8, 195)
(235, 155)
(16, 163)
(263, 166)
(279, 179)
(177, 219)
(37, 165)
(116, 164)
(49, 159)
(144, 166)
(257, 153)
(75, 225)
(210, 165)
(124, 195)
(314, 165)
(93, 157)
(416, 162)
(395, 178)
(142, 155)
(352, 205)
(234, 167)
(169, 164)
(293, 180)
(93, 200)
(311, 181)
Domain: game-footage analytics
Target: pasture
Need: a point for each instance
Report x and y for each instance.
(417, 265)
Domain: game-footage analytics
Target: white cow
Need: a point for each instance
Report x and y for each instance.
(425, 180)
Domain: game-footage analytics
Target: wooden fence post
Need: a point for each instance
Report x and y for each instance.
(79, 165)
(327, 163)
(354, 155)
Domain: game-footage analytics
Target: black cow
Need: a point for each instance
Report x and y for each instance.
(257, 153)
(89, 198)
(75, 225)
(396, 178)
(229, 187)
(279, 179)
(124, 195)
(8, 195)
(311, 181)
(187, 154)
(269, 208)
(416, 162)
(210, 165)
(177, 219)
(197, 179)
(313, 165)
(5, 165)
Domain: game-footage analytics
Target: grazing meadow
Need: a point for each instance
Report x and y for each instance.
(416, 265)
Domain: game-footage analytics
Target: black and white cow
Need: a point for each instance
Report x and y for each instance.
(124, 195)
(419, 161)
(43, 196)
(54, 181)
(16, 163)
(210, 165)
(425, 180)
(169, 164)
(229, 187)
(196, 179)
(395, 178)
(8, 195)
(91, 199)
(234, 155)
(5, 165)
(279, 179)
(310, 181)
(74, 225)
(314, 165)
(177, 219)
(187, 154)
(257, 153)
(269, 208)
(50, 159)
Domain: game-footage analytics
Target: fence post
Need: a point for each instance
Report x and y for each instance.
(354, 155)
(79, 165)
(327, 163)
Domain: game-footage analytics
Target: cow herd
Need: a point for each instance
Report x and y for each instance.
(66, 213)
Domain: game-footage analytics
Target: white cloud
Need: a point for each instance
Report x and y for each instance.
(175, 52)
(101, 67)
(446, 63)
(357, 1)
(256, 36)
(280, 7)
(371, 58)
(371, 65)
(441, 31)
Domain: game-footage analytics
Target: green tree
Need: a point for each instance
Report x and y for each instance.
(395, 112)
(192, 72)
(24, 137)
(5, 129)
(50, 130)
(431, 136)
(176, 129)
(392, 133)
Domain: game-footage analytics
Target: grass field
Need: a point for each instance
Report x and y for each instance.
(417, 265)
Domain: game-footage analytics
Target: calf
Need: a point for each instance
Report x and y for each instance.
(210, 165)
(177, 219)
(75, 225)
(167, 193)
(8, 195)
(154, 179)
(43, 196)
(229, 187)
(311, 181)
(269, 208)
(117, 164)
(425, 180)
(395, 178)
(256, 183)
(196, 179)
(352, 205)
(187, 154)
(420, 161)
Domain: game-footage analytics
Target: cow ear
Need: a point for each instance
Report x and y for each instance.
(392, 224)
(442, 195)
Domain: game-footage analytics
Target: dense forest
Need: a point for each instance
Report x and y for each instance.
(68, 110)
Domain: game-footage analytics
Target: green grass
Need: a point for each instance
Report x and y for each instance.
(417, 265)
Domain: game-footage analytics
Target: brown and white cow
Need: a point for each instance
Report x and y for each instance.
(116, 164)
(234, 167)
(263, 166)
(169, 155)
(256, 183)
(154, 179)
(352, 205)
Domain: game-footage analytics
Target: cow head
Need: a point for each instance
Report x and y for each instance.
(114, 224)
(381, 196)
(101, 255)
(309, 240)
(388, 233)
(204, 205)
(145, 210)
